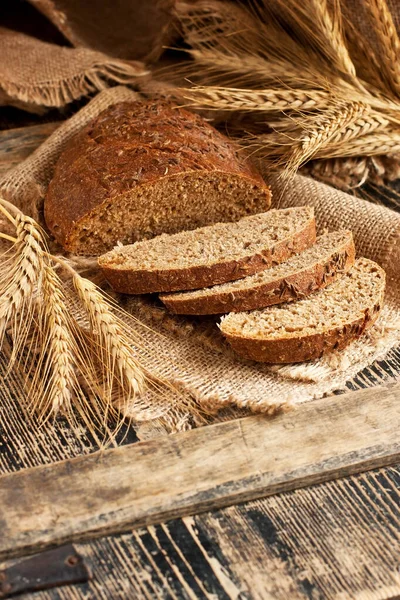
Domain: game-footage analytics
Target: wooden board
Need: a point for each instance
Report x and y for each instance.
(206, 468)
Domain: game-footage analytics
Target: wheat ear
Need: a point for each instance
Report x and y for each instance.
(379, 143)
(389, 43)
(322, 135)
(332, 34)
(56, 365)
(115, 350)
(267, 100)
(21, 275)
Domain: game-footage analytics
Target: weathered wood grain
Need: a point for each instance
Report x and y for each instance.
(17, 144)
(335, 541)
(197, 470)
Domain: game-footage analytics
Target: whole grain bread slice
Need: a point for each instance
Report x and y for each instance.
(209, 255)
(302, 274)
(307, 329)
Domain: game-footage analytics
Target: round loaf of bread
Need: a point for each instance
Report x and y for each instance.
(145, 168)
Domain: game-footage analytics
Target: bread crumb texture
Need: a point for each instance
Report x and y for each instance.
(209, 255)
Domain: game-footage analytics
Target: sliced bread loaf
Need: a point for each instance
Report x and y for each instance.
(209, 255)
(306, 329)
(315, 268)
(145, 168)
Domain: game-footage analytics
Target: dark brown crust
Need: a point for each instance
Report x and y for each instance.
(127, 281)
(133, 144)
(292, 288)
(301, 349)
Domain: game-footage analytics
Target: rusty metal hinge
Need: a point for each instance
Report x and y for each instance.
(53, 568)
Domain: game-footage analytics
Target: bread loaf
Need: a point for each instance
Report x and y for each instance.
(209, 255)
(306, 329)
(304, 273)
(144, 168)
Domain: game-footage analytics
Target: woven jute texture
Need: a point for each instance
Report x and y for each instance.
(39, 74)
(190, 352)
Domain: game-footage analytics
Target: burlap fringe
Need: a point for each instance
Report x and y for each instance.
(56, 94)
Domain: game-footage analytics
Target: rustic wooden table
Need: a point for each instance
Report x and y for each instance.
(336, 540)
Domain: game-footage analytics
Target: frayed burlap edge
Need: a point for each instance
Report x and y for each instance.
(64, 91)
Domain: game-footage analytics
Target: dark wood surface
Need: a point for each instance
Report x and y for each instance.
(338, 540)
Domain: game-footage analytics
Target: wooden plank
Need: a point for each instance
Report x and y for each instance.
(17, 144)
(194, 471)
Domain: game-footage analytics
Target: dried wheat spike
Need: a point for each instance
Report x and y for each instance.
(361, 127)
(364, 57)
(387, 142)
(386, 34)
(332, 33)
(266, 100)
(20, 277)
(55, 366)
(323, 134)
(115, 351)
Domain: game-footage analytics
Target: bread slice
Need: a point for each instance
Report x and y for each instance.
(209, 255)
(141, 169)
(307, 329)
(315, 268)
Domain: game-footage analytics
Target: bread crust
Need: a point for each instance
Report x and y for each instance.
(134, 144)
(294, 287)
(127, 281)
(305, 348)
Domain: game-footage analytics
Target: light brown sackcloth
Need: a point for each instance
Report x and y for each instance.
(193, 355)
(34, 73)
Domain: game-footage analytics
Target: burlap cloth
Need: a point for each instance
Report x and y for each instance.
(34, 73)
(192, 354)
